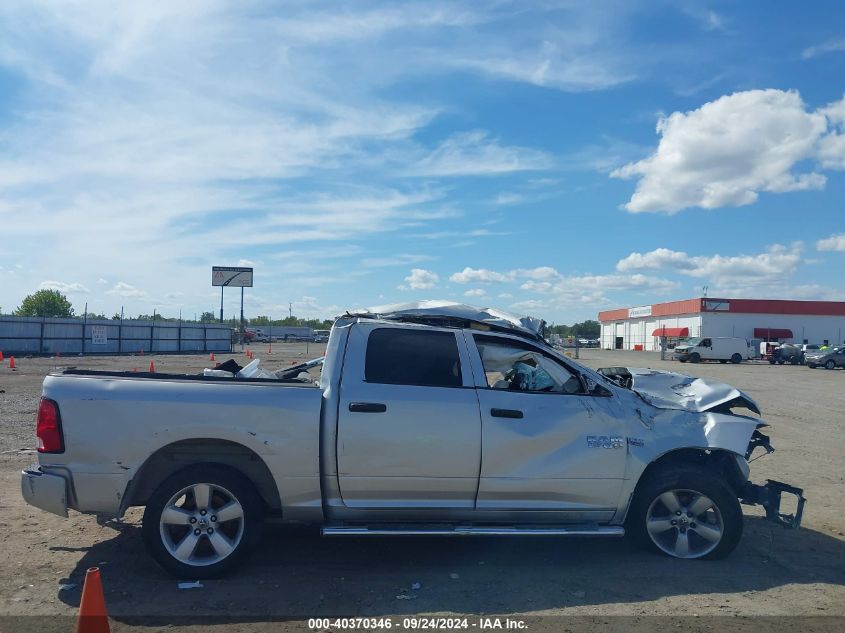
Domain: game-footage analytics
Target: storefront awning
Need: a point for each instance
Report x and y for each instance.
(674, 332)
(772, 332)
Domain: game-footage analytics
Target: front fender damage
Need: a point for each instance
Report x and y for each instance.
(686, 413)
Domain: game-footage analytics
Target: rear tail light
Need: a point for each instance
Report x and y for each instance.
(48, 427)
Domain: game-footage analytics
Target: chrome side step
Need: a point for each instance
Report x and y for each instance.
(468, 530)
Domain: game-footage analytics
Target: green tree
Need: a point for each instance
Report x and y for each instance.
(260, 320)
(45, 303)
(207, 317)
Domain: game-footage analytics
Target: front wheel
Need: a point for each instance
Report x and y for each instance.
(736, 359)
(202, 521)
(811, 365)
(831, 364)
(686, 513)
(695, 358)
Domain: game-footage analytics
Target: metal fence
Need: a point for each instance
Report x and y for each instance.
(35, 335)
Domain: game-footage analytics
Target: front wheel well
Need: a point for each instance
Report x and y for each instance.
(179, 455)
(719, 461)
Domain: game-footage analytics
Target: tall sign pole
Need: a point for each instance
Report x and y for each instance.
(232, 276)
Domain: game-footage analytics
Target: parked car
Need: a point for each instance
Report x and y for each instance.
(430, 420)
(787, 353)
(723, 349)
(829, 358)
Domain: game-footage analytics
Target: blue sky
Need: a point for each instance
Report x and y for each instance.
(552, 158)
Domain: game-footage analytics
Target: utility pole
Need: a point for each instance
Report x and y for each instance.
(290, 310)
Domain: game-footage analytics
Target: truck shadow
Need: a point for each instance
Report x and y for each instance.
(297, 574)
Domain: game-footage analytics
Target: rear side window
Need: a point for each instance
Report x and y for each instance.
(408, 357)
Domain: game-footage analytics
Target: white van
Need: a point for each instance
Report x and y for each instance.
(722, 349)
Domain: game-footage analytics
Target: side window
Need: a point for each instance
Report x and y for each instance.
(407, 357)
(706, 343)
(517, 368)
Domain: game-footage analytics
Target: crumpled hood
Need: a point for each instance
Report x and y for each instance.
(668, 390)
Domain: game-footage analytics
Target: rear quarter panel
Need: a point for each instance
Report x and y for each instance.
(111, 427)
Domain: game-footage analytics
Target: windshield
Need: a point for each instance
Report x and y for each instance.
(692, 342)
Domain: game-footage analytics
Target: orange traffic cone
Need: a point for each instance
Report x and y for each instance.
(211, 358)
(92, 607)
(270, 348)
(152, 367)
(11, 362)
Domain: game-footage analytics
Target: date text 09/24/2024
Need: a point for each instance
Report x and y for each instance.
(417, 623)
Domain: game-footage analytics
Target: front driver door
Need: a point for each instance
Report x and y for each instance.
(547, 444)
(409, 430)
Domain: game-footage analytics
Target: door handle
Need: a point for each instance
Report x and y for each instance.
(506, 413)
(367, 407)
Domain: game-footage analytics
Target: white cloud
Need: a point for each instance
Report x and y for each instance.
(726, 152)
(777, 262)
(506, 198)
(479, 275)
(394, 260)
(64, 288)
(541, 273)
(530, 304)
(475, 153)
(658, 259)
(831, 46)
(475, 292)
(505, 295)
(831, 150)
(103, 282)
(123, 289)
(421, 279)
(833, 243)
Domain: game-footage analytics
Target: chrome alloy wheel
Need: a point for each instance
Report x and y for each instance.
(201, 524)
(684, 523)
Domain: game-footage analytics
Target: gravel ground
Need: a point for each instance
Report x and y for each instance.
(795, 578)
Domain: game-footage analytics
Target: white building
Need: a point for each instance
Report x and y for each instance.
(640, 327)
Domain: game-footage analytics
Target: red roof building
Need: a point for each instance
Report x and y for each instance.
(642, 327)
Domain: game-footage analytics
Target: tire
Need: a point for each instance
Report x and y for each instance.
(831, 364)
(213, 551)
(811, 365)
(718, 516)
(695, 357)
(781, 362)
(794, 361)
(736, 359)
(682, 360)
(722, 360)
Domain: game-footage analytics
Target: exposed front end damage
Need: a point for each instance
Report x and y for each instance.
(687, 411)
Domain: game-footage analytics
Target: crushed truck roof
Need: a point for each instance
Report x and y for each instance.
(436, 312)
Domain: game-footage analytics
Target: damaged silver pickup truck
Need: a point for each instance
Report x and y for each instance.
(427, 419)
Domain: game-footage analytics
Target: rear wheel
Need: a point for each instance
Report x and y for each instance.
(831, 364)
(811, 365)
(736, 359)
(202, 521)
(695, 357)
(686, 513)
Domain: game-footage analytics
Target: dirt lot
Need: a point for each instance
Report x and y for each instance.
(297, 575)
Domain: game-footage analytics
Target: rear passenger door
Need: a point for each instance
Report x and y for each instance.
(409, 429)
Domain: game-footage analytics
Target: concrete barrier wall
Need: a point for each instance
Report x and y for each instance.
(34, 335)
